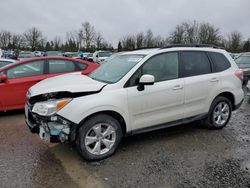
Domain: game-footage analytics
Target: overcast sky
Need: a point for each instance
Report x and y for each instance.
(117, 18)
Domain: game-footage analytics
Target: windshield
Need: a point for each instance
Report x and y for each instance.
(105, 54)
(115, 68)
(243, 60)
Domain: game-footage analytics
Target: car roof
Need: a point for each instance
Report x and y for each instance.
(141, 51)
(42, 58)
(155, 50)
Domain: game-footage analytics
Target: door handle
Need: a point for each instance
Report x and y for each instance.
(177, 87)
(214, 80)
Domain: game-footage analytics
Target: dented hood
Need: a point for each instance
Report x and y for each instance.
(73, 82)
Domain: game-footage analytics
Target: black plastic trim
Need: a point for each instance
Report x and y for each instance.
(169, 124)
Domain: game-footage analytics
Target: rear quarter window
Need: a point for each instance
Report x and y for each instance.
(220, 62)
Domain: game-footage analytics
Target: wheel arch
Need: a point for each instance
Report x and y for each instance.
(111, 113)
(229, 96)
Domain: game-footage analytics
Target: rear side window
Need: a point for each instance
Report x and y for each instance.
(194, 63)
(220, 61)
(58, 66)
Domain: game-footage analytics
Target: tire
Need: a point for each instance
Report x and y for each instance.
(99, 137)
(217, 117)
(245, 82)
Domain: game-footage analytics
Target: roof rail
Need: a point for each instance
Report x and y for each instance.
(193, 45)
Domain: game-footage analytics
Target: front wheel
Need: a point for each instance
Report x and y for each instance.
(219, 113)
(99, 137)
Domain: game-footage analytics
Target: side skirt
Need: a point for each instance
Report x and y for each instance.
(169, 124)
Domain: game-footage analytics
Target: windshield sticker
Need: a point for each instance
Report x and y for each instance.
(135, 59)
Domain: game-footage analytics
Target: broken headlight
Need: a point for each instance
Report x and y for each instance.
(49, 108)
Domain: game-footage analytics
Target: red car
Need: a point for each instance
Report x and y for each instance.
(17, 78)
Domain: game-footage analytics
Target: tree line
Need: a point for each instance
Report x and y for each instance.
(86, 38)
(187, 33)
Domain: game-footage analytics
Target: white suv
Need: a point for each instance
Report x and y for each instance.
(100, 56)
(135, 92)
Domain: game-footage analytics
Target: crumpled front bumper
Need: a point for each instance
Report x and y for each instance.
(50, 129)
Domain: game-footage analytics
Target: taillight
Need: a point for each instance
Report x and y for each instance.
(239, 73)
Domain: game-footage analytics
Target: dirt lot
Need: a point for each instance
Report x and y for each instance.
(183, 156)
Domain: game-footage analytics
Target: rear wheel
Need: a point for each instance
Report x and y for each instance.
(99, 137)
(219, 113)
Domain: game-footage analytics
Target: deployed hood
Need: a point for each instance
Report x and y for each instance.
(74, 82)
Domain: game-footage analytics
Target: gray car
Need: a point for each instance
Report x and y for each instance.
(243, 63)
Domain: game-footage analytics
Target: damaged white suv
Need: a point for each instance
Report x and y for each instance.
(135, 92)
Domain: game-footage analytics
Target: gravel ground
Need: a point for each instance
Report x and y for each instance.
(183, 156)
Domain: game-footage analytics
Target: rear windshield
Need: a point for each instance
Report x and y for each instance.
(243, 60)
(105, 54)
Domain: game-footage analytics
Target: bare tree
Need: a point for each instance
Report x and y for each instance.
(57, 43)
(234, 43)
(208, 34)
(177, 36)
(5, 38)
(33, 38)
(99, 40)
(129, 42)
(87, 35)
(190, 33)
(149, 39)
(140, 40)
(246, 46)
(159, 42)
(17, 41)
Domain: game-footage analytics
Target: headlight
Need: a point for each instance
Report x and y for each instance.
(49, 108)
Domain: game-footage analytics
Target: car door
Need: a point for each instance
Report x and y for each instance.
(200, 83)
(19, 79)
(60, 66)
(159, 103)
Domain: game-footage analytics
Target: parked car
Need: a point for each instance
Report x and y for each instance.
(10, 54)
(135, 92)
(25, 55)
(17, 78)
(89, 57)
(243, 62)
(248, 90)
(71, 54)
(4, 62)
(37, 53)
(53, 53)
(99, 56)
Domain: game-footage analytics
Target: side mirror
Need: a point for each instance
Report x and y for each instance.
(145, 79)
(3, 77)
